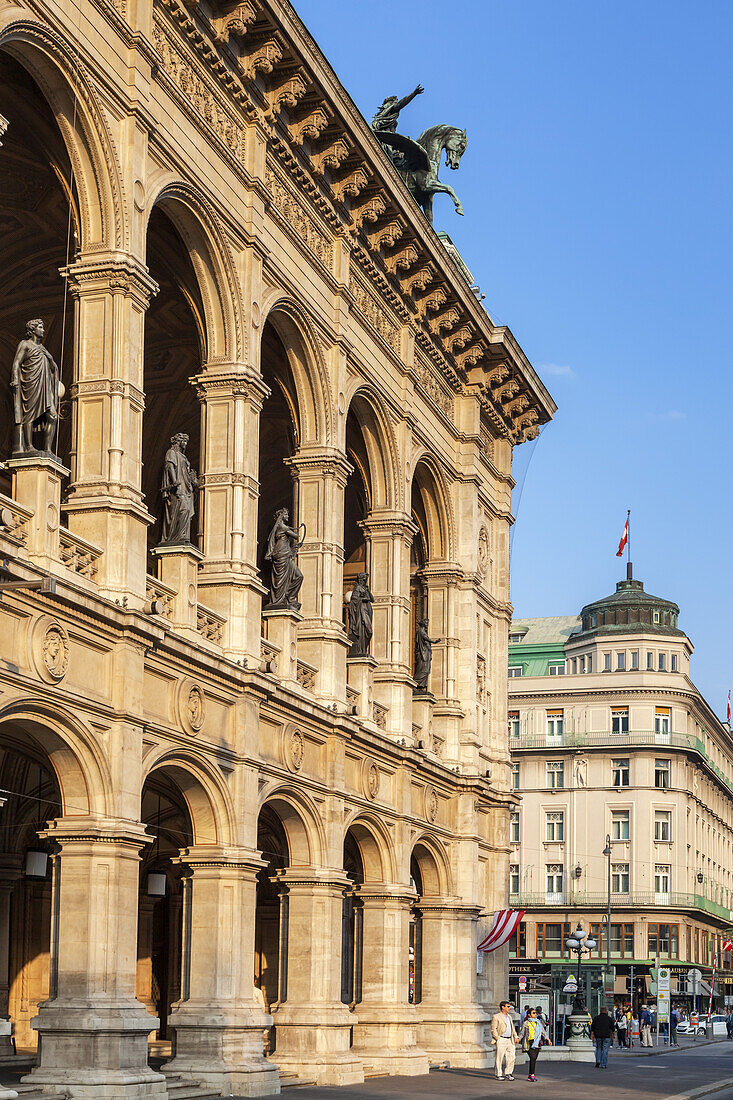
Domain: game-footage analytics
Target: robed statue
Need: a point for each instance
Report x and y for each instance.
(178, 490)
(282, 552)
(418, 161)
(360, 617)
(36, 389)
(423, 656)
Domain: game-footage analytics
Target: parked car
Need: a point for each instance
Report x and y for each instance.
(686, 1028)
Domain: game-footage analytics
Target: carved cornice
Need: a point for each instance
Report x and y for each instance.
(118, 276)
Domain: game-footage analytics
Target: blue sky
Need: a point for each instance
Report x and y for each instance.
(597, 191)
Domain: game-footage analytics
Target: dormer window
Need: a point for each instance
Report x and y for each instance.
(515, 637)
(655, 618)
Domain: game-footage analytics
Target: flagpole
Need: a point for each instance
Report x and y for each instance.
(629, 570)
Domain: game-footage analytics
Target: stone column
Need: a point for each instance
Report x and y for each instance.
(10, 872)
(105, 504)
(320, 481)
(390, 539)
(281, 628)
(313, 1025)
(219, 1025)
(231, 397)
(385, 1028)
(92, 1019)
(36, 485)
(451, 1020)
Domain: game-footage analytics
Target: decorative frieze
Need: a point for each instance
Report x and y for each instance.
(374, 314)
(195, 93)
(304, 225)
(434, 390)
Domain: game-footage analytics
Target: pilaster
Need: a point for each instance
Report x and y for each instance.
(313, 1025)
(231, 397)
(36, 485)
(321, 478)
(178, 567)
(105, 504)
(390, 538)
(10, 872)
(218, 1022)
(385, 1031)
(92, 1031)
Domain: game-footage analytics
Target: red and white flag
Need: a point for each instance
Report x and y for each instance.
(624, 539)
(728, 715)
(502, 929)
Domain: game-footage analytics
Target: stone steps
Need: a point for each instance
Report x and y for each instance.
(292, 1081)
(188, 1090)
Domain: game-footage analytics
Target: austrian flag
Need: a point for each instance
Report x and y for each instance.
(624, 539)
(502, 929)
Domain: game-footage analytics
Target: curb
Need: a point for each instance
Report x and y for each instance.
(704, 1090)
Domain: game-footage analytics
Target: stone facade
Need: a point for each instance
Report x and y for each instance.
(199, 792)
(610, 737)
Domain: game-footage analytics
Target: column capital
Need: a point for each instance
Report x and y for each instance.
(387, 892)
(390, 524)
(318, 462)
(90, 831)
(323, 878)
(200, 857)
(230, 380)
(121, 274)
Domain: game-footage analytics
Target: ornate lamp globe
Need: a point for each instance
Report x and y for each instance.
(579, 934)
(572, 943)
(590, 943)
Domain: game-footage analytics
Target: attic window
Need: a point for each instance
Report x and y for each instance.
(656, 617)
(516, 636)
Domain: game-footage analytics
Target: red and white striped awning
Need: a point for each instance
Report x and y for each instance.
(502, 929)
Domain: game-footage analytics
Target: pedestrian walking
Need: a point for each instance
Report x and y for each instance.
(505, 1038)
(645, 1021)
(621, 1028)
(532, 1035)
(674, 1019)
(634, 1028)
(601, 1032)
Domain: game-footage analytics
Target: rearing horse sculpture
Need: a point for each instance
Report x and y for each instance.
(420, 161)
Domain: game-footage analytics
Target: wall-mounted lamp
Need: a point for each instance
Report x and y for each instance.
(36, 863)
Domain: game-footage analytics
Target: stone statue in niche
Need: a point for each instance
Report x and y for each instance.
(37, 390)
(178, 490)
(360, 617)
(423, 656)
(282, 553)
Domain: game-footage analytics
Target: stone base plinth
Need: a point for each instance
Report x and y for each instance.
(448, 1035)
(579, 1042)
(178, 567)
(110, 1043)
(315, 1044)
(385, 1041)
(422, 715)
(224, 1053)
(36, 485)
(281, 628)
(360, 678)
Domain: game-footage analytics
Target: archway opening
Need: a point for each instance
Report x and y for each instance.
(30, 785)
(39, 232)
(279, 440)
(271, 914)
(415, 941)
(175, 349)
(352, 935)
(161, 902)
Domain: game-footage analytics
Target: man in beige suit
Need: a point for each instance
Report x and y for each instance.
(504, 1035)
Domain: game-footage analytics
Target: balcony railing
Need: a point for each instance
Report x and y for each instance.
(579, 900)
(619, 742)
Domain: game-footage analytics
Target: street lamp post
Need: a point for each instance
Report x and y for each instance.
(577, 944)
(607, 853)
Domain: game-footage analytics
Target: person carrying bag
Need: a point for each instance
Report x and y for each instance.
(531, 1036)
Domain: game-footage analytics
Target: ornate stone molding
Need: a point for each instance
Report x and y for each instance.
(303, 223)
(118, 276)
(373, 313)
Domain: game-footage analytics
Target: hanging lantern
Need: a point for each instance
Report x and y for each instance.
(36, 863)
(156, 885)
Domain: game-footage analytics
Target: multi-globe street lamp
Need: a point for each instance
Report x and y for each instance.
(579, 942)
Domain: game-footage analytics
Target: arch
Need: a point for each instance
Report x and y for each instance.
(301, 823)
(386, 485)
(65, 84)
(204, 790)
(429, 482)
(77, 761)
(376, 847)
(434, 866)
(308, 367)
(203, 235)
